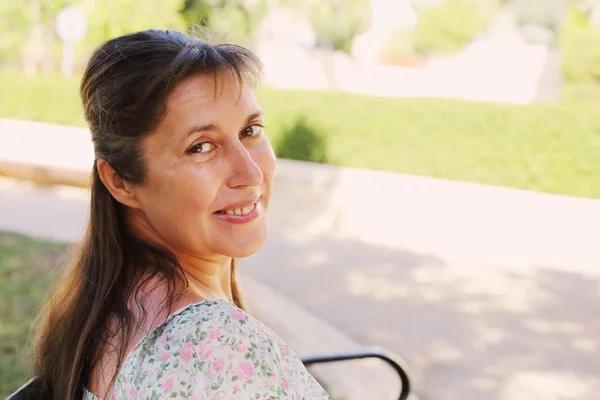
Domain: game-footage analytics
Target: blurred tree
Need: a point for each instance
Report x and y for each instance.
(198, 12)
(111, 18)
(335, 22)
(28, 26)
(548, 14)
(579, 41)
(447, 26)
(237, 20)
(399, 46)
(28, 31)
(338, 22)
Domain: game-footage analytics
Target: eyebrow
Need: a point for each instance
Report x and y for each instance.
(213, 127)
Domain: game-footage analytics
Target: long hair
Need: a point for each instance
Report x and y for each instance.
(124, 91)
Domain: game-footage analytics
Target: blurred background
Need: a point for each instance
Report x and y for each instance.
(437, 191)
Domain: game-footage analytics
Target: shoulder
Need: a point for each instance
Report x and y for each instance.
(218, 324)
(215, 347)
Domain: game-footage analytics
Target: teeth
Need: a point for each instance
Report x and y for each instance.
(240, 211)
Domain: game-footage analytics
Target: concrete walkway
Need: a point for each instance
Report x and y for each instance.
(489, 293)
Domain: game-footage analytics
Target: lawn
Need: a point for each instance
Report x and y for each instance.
(26, 269)
(549, 148)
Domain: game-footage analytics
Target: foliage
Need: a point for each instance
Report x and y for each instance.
(400, 43)
(28, 26)
(579, 41)
(550, 148)
(235, 19)
(110, 18)
(548, 14)
(301, 141)
(197, 12)
(338, 22)
(25, 275)
(447, 26)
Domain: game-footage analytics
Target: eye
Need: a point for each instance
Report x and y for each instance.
(252, 131)
(202, 148)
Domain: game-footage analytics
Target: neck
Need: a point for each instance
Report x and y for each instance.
(209, 277)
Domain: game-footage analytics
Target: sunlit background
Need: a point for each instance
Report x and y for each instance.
(445, 203)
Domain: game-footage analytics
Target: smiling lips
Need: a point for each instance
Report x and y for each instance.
(239, 211)
(239, 214)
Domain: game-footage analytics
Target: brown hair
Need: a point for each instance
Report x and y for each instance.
(124, 91)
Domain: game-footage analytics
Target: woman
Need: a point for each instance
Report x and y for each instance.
(181, 186)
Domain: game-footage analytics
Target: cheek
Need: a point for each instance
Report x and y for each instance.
(179, 195)
(264, 157)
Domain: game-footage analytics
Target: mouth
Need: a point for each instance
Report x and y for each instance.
(245, 210)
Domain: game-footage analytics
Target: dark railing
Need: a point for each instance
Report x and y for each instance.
(394, 361)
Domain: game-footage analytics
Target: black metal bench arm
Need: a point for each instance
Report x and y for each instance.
(393, 361)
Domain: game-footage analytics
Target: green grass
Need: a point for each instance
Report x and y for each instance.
(26, 267)
(549, 148)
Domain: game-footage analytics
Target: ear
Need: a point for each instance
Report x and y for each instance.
(119, 188)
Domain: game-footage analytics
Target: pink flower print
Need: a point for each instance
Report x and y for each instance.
(236, 313)
(205, 351)
(236, 388)
(165, 356)
(286, 384)
(241, 347)
(151, 373)
(214, 334)
(163, 340)
(113, 397)
(245, 371)
(285, 351)
(168, 385)
(266, 331)
(186, 352)
(194, 397)
(218, 365)
(217, 396)
(132, 393)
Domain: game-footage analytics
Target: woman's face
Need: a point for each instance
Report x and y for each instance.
(210, 169)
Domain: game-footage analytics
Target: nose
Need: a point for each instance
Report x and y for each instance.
(244, 171)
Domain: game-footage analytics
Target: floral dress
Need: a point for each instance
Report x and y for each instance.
(213, 350)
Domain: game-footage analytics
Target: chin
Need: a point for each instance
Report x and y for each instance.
(245, 248)
(243, 252)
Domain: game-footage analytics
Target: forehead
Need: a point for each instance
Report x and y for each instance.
(200, 94)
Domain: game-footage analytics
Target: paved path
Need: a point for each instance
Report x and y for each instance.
(468, 334)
